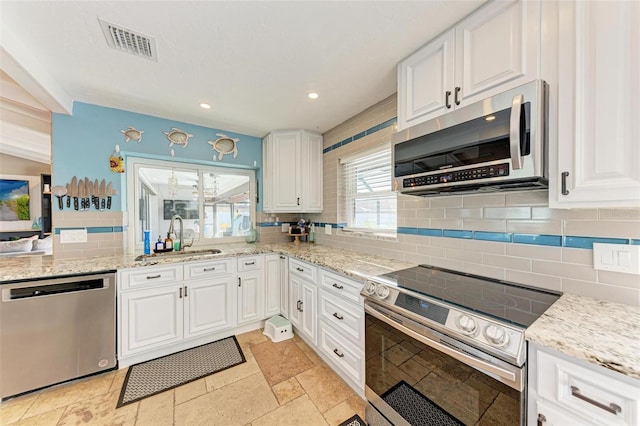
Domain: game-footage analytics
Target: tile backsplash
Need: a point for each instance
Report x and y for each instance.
(511, 236)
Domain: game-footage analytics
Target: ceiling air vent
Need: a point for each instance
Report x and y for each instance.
(126, 40)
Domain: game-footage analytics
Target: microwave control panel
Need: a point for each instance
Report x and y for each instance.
(496, 170)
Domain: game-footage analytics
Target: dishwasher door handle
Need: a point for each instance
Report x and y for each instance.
(52, 289)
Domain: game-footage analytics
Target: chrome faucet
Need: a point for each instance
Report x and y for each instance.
(180, 235)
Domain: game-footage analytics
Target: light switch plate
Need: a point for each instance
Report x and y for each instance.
(285, 227)
(73, 236)
(616, 257)
(327, 229)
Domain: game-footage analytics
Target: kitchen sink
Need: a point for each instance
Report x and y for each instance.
(185, 253)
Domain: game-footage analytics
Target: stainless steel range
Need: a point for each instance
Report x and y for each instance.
(443, 347)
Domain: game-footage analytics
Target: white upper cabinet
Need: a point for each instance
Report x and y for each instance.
(494, 49)
(594, 131)
(292, 172)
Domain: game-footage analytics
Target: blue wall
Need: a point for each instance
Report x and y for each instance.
(83, 142)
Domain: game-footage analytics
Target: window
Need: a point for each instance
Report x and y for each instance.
(216, 204)
(369, 202)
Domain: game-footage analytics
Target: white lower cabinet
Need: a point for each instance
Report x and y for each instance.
(302, 307)
(276, 275)
(566, 391)
(209, 302)
(151, 318)
(250, 289)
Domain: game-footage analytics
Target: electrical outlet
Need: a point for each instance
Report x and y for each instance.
(285, 227)
(73, 236)
(327, 229)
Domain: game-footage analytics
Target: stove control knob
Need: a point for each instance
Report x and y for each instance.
(382, 291)
(370, 288)
(496, 335)
(466, 324)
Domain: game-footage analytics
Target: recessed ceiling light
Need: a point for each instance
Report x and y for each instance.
(205, 106)
(313, 95)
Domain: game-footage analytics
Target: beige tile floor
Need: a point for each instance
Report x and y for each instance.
(281, 384)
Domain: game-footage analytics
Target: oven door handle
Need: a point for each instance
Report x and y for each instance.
(510, 377)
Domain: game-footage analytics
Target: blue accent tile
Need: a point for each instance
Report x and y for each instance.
(456, 233)
(430, 232)
(346, 141)
(118, 229)
(324, 151)
(406, 230)
(635, 242)
(99, 229)
(373, 129)
(587, 242)
(492, 236)
(339, 225)
(359, 135)
(389, 122)
(540, 240)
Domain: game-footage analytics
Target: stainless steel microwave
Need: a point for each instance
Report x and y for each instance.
(497, 144)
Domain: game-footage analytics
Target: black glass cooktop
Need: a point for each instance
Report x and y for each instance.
(503, 300)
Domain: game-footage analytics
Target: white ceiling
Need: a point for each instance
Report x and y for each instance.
(253, 61)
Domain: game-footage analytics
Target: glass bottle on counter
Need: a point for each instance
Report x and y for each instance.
(312, 233)
(168, 242)
(159, 244)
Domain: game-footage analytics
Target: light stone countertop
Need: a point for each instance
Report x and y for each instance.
(352, 264)
(602, 333)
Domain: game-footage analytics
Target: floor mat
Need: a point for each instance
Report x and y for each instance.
(353, 421)
(416, 408)
(161, 374)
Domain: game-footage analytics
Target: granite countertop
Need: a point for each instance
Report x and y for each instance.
(353, 264)
(602, 333)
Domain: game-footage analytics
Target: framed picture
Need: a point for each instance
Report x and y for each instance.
(187, 209)
(14, 200)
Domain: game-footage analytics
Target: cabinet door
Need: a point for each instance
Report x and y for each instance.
(295, 298)
(267, 174)
(151, 318)
(598, 109)
(286, 183)
(250, 296)
(308, 309)
(497, 48)
(208, 305)
(273, 274)
(311, 157)
(284, 285)
(424, 79)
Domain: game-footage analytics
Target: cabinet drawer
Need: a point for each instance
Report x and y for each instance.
(251, 263)
(150, 276)
(342, 315)
(342, 287)
(303, 269)
(345, 356)
(208, 268)
(585, 391)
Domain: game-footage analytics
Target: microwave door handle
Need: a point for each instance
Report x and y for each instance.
(515, 133)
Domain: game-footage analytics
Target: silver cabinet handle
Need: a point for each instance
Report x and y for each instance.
(300, 269)
(239, 282)
(611, 408)
(541, 419)
(213, 268)
(185, 291)
(564, 189)
(516, 131)
(301, 304)
(249, 263)
(298, 200)
(339, 287)
(153, 277)
(446, 99)
(456, 100)
(180, 293)
(298, 305)
(335, 351)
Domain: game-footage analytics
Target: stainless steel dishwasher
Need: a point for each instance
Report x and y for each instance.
(54, 330)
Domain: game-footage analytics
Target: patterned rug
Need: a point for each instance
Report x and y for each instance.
(161, 374)
(353, 421)
(416, 408)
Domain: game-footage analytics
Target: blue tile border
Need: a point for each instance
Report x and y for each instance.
(508, 237)
(362, 134)
(93, 229)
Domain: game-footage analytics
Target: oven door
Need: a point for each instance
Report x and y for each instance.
(418, 376)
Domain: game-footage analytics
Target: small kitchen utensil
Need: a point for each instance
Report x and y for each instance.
(89, 187)
(59, 191)
(81, 194)
(87, 192)
(102, 194)
(96, 193)
(74, 192)
(68, 186)
(109, 193)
